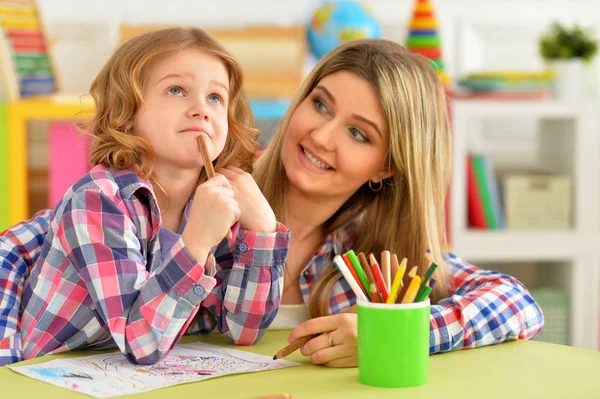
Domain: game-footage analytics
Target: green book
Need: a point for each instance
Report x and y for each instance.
(484, 189)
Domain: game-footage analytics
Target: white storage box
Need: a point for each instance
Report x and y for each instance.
(534, 201)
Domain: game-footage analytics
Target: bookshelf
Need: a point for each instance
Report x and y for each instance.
(568, 144)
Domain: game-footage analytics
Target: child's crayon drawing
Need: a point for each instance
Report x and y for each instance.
(108, 375)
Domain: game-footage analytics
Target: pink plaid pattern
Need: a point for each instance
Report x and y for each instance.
(100, 280)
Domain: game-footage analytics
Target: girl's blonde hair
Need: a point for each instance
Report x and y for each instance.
(407, 216)
(117, 93)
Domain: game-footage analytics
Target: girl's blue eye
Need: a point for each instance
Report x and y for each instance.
(358, 135)
(175, 91)
(215, 99)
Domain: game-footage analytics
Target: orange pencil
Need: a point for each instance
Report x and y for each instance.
(378, 277)
(208, 166)
(375, 294)
(348, 263)
(413, 286)
(385, 268)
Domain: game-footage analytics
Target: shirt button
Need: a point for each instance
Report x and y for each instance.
(243, 247)
(306, 274)
(199, 290)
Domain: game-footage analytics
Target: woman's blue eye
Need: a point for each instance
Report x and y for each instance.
(215, 99)
(175, 91)
(319, 105)
(358, 135)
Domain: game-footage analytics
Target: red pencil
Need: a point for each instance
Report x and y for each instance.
(378, 277)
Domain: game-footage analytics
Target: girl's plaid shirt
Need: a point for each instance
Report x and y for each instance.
(101, 279)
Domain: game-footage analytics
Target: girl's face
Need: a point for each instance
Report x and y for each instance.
(337, 138)
(186, 95)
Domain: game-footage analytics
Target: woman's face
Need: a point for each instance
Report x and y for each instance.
(337, 138)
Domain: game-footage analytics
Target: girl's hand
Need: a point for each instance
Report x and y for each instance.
(212, 213)
(337, 346)
(257, 214)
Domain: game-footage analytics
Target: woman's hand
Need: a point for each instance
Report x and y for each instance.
(256, 213)
(337, 346)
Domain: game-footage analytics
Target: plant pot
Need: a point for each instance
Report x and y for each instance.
(568, 84)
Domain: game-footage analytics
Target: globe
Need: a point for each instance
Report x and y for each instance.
(339, 22)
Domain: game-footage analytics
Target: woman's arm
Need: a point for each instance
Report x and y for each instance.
(249, 284)
(487, 307)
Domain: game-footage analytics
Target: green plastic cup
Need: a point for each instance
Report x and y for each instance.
(393, 344)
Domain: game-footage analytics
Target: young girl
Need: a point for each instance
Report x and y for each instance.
(362, 161)
(135, 254)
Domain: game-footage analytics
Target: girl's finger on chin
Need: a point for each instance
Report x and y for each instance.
(329, 355)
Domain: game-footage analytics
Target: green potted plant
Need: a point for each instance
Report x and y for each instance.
(566, 50)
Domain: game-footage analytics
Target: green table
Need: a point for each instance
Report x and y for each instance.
(520, 369)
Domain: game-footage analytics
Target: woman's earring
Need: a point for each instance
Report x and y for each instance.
(378, 187)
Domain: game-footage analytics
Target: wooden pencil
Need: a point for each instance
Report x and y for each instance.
(375, 294)
(294, 346)
(394, 267)
(208, 166)
(385, 268)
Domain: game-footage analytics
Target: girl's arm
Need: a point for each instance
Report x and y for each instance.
(486, 308)
(249, 285)
(145, 311)
(20, 246)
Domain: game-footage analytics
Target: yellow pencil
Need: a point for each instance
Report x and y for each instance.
(397, 284)
(413, 287)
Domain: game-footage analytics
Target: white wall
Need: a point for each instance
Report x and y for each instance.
(501, 33)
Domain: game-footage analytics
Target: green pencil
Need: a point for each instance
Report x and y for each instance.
(426, 278)
(359, 272)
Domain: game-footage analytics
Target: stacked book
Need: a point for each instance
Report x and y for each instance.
(484, 205)
(24, 55)
(506, 85)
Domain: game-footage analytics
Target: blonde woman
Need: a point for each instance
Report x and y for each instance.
(361, 161)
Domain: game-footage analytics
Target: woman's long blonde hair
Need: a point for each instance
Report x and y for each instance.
(117, 93)
(407, 216)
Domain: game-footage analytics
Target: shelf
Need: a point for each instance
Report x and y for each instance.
(520, 109)
(498, 246)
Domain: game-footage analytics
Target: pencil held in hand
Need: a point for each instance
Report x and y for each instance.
(208, 166)
(297, 344)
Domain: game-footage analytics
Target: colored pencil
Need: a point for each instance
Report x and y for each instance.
(354, 284)
(348, 262)
(297, 344)
(413, 286)
(375, 294)
(378, 277)
(394, 267)
(385, 268)
(360, 273)
(208, 166)
(427, 276)
(397, 284)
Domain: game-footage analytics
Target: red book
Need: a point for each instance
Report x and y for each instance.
(474, 203)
